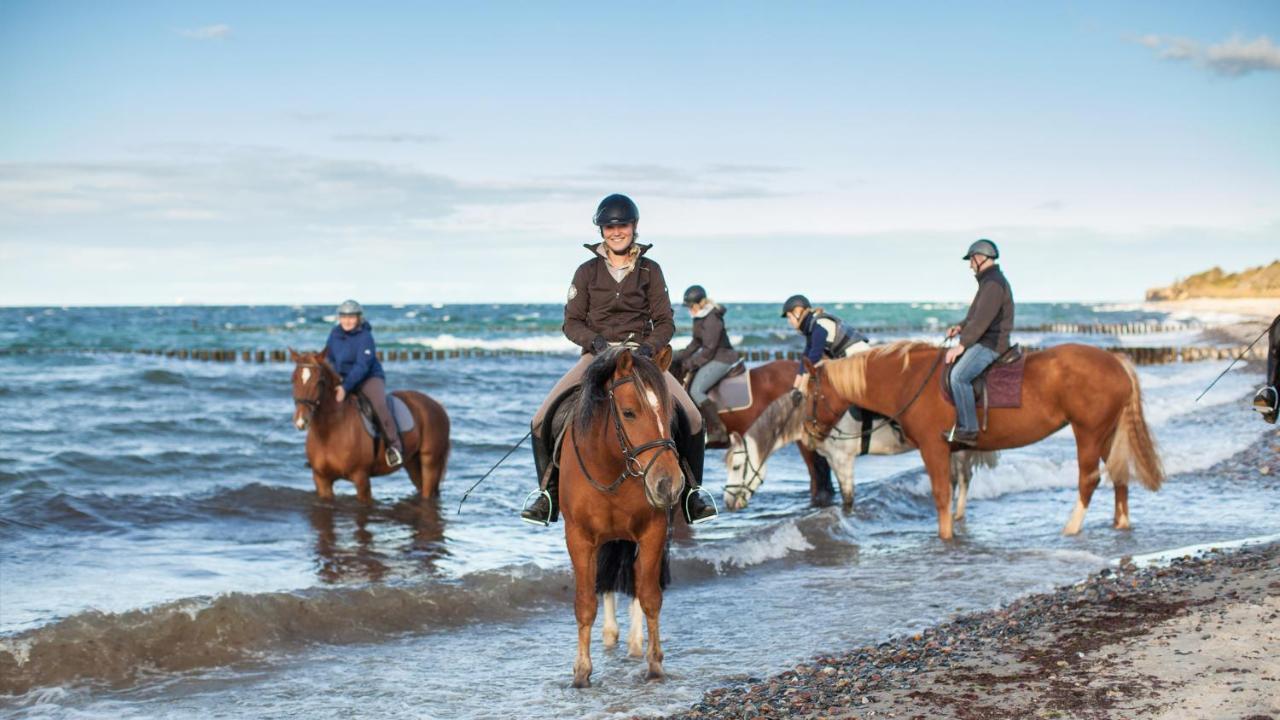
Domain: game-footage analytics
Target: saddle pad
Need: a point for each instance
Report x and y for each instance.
(1003, 382)
(732, 393)
(400, 415)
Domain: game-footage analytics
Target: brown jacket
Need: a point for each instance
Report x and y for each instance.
(638, 309)
(710, 341)
(990, 318)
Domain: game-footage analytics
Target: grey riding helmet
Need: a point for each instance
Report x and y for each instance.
(794, 302)
(350, 307)
(983, 247)
(694, 295)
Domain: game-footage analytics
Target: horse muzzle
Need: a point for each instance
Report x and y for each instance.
(663, 490)
(300, 422)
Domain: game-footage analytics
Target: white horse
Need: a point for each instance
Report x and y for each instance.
(782, 423)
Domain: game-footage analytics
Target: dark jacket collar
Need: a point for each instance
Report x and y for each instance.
(364, 326)
(989, 272)
(594, 248)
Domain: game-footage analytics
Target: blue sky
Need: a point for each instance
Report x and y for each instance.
(410, 152)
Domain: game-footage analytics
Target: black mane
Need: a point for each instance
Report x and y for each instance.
(598, 377)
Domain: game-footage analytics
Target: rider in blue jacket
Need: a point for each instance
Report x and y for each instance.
(351, 352)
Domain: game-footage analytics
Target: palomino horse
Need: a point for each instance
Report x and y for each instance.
(1093, 391)
(620, 477)
(339, 447)
(770, 381)
(782, 423)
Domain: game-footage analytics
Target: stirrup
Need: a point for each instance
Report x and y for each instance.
(529, 500)
(1262, 406)
(393, 457)
(699, 521)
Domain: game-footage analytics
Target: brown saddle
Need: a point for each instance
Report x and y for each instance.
(999, 386)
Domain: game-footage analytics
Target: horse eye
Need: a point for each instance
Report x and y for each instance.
(629, 414)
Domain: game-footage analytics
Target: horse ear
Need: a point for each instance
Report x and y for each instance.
(293, 355)
(735, 439)
(625, 362)
(808, 365)
(664, 358)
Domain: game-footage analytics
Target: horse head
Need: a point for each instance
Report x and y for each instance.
(746, 470)
(641, 412)
(825, 404)
(312, 378)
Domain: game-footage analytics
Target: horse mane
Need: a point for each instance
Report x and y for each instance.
(326, 370)
(598, 377)
(778, 423)
(849, 375)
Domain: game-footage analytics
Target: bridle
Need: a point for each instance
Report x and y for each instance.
(813, 428)
(632, 466)
(312, 404)
(744, 490)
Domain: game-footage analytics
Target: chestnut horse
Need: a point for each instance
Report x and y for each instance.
(1088, 388)
(769, 382)
(620, 477)
(339, 447)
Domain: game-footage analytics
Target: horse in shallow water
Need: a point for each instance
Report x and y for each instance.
(769, 382)
(620, 477)
(1093, 391)
(782, 423)
(339, 447)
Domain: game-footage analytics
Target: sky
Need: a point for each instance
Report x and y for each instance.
(289, 152)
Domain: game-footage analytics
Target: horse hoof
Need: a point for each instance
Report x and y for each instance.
(655, 676)
(581, 684)
(609, 639)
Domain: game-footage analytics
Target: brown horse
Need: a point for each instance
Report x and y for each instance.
(1093, 391)
(769, 382)
(339, 447)
(620, 477)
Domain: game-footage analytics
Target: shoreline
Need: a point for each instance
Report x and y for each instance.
(1184, 639)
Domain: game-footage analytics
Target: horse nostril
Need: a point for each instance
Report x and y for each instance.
(664, 487)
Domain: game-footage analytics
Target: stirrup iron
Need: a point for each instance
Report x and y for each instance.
(393, 457)
(529, 500)
(700, 491)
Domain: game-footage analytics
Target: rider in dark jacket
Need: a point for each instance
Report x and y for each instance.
(619, 297)
(1267, 401)
(825, 335)
(984, 336)
(709, 357)
(351, 352)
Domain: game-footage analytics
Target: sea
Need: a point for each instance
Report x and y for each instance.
(163, 553)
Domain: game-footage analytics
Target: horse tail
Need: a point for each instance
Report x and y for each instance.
(616, 567)
(1132, 447)
(966, 462)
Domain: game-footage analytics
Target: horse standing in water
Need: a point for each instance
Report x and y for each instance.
(1093, 391)
(339, 447)
(770, 381)
(620, 477)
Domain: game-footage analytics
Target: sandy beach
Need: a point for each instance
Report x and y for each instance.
(1255, 314)
(1187, 637)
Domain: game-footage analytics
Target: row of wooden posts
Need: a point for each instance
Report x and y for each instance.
(1140, 355)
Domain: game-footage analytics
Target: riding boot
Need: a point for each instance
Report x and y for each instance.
(716, 433)
(546, 508)
(692, 449)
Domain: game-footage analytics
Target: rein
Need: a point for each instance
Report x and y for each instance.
(631, 463)
(313, 403)
(747, 488)
(812, 427)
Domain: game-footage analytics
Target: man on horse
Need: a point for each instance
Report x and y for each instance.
(1267, 401)
(826, 336)
(709, 356)
(351, 352)
(984, 337)
(618, 297)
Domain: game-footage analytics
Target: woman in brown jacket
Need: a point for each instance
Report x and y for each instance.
(618, 297)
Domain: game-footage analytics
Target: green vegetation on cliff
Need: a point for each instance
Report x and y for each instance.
(1258, 282)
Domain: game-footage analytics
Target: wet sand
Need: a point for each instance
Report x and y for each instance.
(1194, 637)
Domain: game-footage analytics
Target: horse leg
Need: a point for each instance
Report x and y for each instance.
(1088, 456)
(324, 485)
(649, 592)
(609, 632)
(937, 461)
(820, 488)
(432, 472)
(414, 468)
(364, 489)
(961, 472)
(841, 455)
(583, 554)
(635, 631)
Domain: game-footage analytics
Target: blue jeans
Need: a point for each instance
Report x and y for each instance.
(708, 375)
(969, 366)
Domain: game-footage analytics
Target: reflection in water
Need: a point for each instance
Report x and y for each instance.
(355, 541)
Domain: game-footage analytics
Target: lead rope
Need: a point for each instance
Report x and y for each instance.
(495, 467)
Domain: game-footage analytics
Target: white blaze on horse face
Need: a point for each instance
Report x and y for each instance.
(306, 375)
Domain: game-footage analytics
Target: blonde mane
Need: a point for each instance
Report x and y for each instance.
(849, 375)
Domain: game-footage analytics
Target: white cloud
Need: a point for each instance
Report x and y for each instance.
(208, 32)
(1232, 58)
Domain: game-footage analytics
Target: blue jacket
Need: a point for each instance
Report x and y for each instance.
(353, 355)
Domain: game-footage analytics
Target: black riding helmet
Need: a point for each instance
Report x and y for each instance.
(616, 210)
(983, 247)
(694, 295)
(794, 302)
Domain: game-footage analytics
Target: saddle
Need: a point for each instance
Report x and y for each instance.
(733, 391)
(999, 386)
(400, 415)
